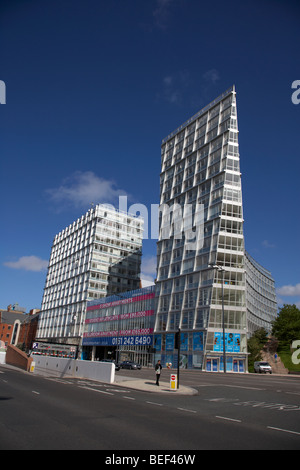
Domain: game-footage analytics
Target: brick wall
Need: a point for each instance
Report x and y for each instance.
(6, 332)
(18, 358)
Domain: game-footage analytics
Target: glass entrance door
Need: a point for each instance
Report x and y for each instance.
(212, 364)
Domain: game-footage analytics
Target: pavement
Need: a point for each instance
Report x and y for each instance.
(148, 385)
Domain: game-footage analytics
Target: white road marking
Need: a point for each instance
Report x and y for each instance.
(239, 386)
(292, 393)
(116, 390)
(59, 381)
(284, 430)
(95, 390)
(229, 419)
(185, 409)
(215, 399)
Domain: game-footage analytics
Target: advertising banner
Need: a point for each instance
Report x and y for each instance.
(157, 342)
(217, 342)
(198, 341)
(232, 342)
(143, 340)
(169, 342)
(184, 341)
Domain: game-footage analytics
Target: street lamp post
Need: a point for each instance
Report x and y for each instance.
(119, 323)
(222, 270)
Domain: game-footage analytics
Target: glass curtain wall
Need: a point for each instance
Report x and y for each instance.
(200, 166)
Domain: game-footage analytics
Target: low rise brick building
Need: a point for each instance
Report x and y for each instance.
(18, 327)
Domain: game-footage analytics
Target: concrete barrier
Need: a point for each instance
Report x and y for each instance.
(61, 367)
(2, 357)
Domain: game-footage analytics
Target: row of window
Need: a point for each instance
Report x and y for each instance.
(209, 142)
(224, 109)
(185, 320)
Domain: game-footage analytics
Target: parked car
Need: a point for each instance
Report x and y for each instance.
(117, 366)
(262, 367)
(130, 365)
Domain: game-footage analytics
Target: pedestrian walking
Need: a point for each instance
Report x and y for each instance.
(158, 368)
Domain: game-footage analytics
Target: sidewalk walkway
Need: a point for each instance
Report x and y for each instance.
(147, 385)
(277, 366)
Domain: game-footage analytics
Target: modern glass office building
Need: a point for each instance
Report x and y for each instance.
(97, 255)
(260, 296)
(199, 287)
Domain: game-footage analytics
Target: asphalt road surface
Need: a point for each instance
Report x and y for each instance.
(229, 412)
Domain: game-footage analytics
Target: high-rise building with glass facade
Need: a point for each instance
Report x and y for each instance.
(96, 256)
(200, 165)
(260, 296)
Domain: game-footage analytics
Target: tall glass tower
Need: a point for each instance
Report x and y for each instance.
(201, 289)
(97, 255)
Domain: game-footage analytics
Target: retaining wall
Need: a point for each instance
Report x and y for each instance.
(2, 357)
(61, 367)
(17, 358)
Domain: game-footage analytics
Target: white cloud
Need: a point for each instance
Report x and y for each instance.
(83, 188)
(28, 263)
(175, 86)
(161, 13)
(179, 87)
(149, 264)
(146, 282)
(267, 244)
(211, 76)
(168, 80)
(148, 270)
(289, 290)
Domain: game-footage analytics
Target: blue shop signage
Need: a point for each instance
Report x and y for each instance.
(141, 340)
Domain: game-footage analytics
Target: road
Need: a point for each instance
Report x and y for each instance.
(229, 412)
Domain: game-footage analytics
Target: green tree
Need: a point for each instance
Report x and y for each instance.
(255, 345)
(286, 327)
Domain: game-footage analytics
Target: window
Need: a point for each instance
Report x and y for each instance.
(187, 320)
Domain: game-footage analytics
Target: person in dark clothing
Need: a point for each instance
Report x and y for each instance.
(158, 368)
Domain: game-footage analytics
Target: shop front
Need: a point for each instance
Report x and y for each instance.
(191, 349)
(233, 363)
(236, 358)
(121, 327)
(202, 350)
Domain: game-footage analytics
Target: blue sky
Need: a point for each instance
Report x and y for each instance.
(92, 87)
